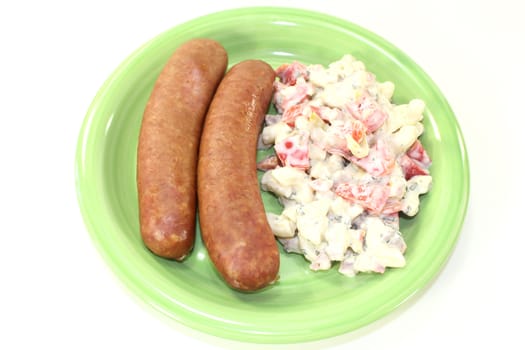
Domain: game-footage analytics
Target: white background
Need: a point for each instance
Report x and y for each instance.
(56, 291)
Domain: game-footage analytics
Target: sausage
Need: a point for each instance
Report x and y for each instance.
(168, 146)
(232, 218)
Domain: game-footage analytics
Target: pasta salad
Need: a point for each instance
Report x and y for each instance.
(347, 161)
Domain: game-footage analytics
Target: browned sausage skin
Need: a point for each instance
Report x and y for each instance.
(168, 146)
(233, 222)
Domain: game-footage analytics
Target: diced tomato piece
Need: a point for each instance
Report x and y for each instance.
(379, 161)
(289, 72)
(374, 120)
(293, 151)
(370, 196)
(292, 113)
(367, 110)
(417, 152)
(287, 96)
(411, 167)
(392, 206)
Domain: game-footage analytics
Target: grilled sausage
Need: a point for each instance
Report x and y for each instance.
(232, 219)
(168, 146)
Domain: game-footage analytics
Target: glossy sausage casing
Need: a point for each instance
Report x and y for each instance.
(232, 218)
(168, 146)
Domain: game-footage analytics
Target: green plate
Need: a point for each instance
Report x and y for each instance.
(303, 305)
